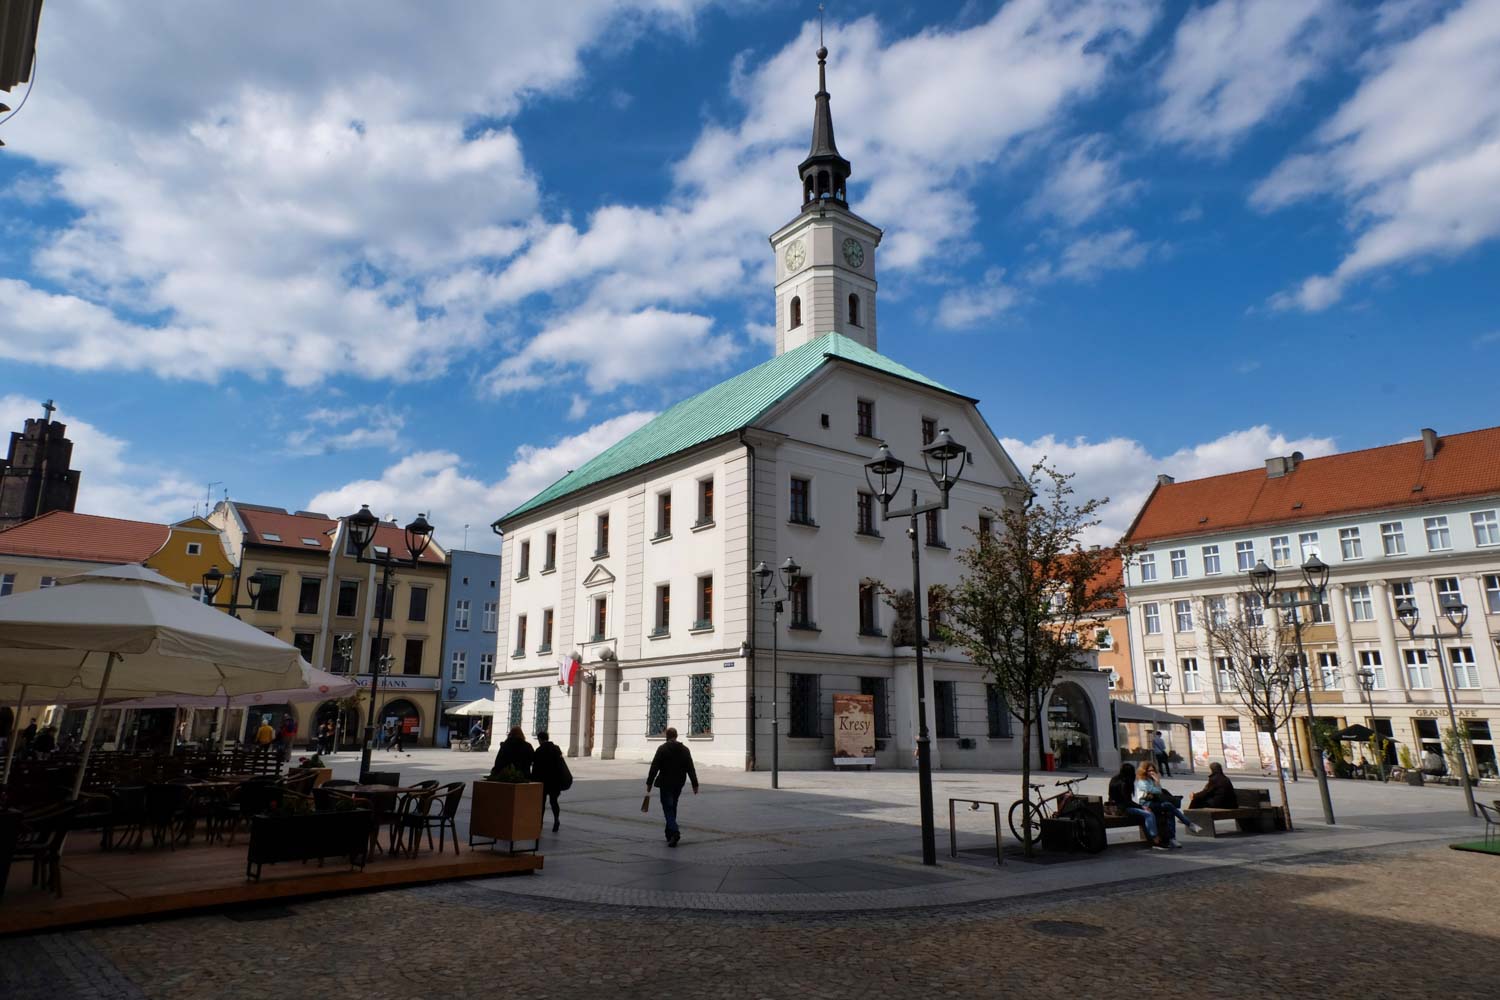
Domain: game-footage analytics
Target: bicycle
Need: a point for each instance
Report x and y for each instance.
(1088, 828)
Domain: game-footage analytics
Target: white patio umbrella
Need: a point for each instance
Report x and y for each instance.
(484, 706)
(129, 628)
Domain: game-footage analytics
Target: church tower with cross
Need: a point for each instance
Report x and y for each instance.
(825, 257)
(37, 474)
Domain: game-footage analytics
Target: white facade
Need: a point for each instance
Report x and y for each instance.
(1375, 558)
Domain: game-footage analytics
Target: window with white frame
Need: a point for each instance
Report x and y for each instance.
(1350, 546)
(1244, 556)
(486, 667)
(1179, 563)
(1492, 593)
(1281, 551)
(1104, 639)
(1393, 538)
(1211, 560)
(1465, 672)
(1147, 563)
(1225, 668)
(1439, 538)
(1151, 615)
(491, 616)
(1191, 684)
(1255, 609)
(1486, 527)
(49, 581)
(458, 669)
(1218, 611)
(1308, 543)
(1448, 593)
(1418, 676)
(1361, 603)
(194, 548)
(1329, 677)
(1183, 611)
(1155, 668)
(1369, 659)
(461, 614)
(7, 584)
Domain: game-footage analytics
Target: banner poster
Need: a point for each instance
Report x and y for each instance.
(1198, 739)
(854, 729)
(1267, 751)
(1234, 749)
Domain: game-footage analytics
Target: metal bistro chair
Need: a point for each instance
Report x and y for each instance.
(1491, 815)
(446, 818)
(41, 842)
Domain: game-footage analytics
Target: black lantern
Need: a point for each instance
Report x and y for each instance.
(1406, 614)
(1263, 579)
(790, 573)
(418, 536)
(944, 459)
(1366, 679)
(1315, 572)
(1163, 681)
(1456, 612)
(362, 529)
(882, 467)
(213, 580)
(253, 585)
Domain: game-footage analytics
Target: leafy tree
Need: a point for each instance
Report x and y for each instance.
(1262, 660)
(1016, 612)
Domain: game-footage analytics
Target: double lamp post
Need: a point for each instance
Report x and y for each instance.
(771, 593)
(1457, 614)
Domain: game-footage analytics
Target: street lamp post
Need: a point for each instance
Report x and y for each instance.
(1367, 684)
(1315, 575)
(213, 582)
(770, 593)
(362, 532)
(1162, 681)
(944, 459)
(1457, 614)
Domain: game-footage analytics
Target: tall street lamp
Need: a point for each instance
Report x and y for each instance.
(1367, 684)
(944, 459)
(1315, 575)
(1163, 683)
(1457, 614)
(771, 593)
(213, 582)
(362, 532)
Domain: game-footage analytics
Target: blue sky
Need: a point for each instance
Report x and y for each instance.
(357, 254)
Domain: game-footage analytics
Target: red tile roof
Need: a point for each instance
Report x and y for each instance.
(1110, 580)
(61, 534)
(289, 529)
(1385, 478)
(393, 537)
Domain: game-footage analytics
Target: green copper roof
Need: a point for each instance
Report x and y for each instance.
(723, 409)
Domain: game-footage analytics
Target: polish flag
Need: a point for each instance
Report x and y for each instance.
(567, 670)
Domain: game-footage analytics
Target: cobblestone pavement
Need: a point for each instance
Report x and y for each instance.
(1405, 921)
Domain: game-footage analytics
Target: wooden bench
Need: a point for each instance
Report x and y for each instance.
(1253, 813)
(1095, 805)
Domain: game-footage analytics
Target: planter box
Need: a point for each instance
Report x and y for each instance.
(312, 835)
(1414, 778)
(320, 774)
(506, 812)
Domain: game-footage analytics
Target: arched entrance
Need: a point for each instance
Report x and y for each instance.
(1070, 727)
(404, 714)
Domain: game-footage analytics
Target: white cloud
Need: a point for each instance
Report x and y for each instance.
(1236, 63)
(1124, 470)
(327, 430)
(112, 482)
(1087, 257)
(1084, 181)
(1421, 175)
(966, 307)
(439, 483)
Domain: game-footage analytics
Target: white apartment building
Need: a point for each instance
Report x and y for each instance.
(640, 561)
(1419, 519)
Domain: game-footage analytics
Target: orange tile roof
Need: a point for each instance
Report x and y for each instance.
(289, 529)
(1384, 478)
(1110, 580)
(62, 534)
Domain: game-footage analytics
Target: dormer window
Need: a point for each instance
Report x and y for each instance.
(854, 310)
(794, 320)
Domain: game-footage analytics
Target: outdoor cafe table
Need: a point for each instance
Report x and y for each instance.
(384, 811)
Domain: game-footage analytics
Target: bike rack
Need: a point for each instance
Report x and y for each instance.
(953, 824)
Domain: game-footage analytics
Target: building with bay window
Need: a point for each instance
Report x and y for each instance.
(1418, 520)
(640, 561)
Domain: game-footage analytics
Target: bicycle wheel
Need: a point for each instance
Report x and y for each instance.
(1017, 814)
(1089, 831)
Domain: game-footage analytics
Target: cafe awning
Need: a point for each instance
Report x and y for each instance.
(1129, 711)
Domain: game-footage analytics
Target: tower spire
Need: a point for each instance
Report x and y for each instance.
(825, 172)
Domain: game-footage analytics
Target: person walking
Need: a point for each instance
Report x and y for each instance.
(265, 735)
(549, 767)
(671, 768)
(515, 752)
(1159, 751)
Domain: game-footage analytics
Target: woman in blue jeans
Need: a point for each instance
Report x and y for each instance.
(1122, 799)
(1149, 793)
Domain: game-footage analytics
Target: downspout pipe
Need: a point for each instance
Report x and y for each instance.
(754, 604)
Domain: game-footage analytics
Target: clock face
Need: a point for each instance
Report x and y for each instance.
(854, 253)
(796, 255)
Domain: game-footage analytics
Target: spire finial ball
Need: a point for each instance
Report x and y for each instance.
(822, 53)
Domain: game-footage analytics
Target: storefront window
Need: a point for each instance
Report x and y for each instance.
(1484, 747)
(1070, 726)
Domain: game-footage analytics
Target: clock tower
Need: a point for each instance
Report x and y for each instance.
(825, 257)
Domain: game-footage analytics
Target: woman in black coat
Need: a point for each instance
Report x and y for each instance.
(515, 752)
(1218, 793)
(552, 771)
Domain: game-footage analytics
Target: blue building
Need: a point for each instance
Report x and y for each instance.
(469, 636)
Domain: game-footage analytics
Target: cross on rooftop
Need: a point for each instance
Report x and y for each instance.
(49, 409)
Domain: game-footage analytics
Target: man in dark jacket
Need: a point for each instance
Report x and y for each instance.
(551, 770)
(515, 752)
(1218, 793)
(671, 768)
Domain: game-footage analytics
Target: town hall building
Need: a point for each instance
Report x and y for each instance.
(640, 563)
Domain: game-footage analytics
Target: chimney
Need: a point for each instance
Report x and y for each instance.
(1163, 479)
(1275, 467)
(1429, 443)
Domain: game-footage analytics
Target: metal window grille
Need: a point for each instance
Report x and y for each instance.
(876, 686)
(516, 697)
(998, 710)
(656, 706)
(803, 706)
(701, 705)
(543, 709)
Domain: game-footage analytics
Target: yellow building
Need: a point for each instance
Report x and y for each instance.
(192, 548)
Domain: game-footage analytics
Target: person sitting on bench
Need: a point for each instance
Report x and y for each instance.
(1218, 793)
(1122, 801)
(1149, 793)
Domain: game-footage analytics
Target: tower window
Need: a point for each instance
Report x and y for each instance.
(796, 313)
(854, 310)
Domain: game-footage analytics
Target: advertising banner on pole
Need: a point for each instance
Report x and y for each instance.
(854, 729)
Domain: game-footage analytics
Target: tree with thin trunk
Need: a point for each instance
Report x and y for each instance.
(1016, 611)
(1262, 662)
